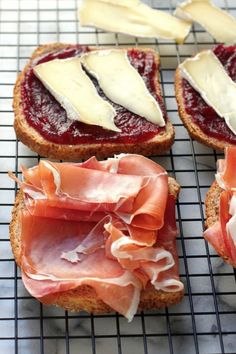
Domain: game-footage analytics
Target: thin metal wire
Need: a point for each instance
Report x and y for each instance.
(15, 155)
(93, 339)
(144, 333)
(228, 8)
(203, 223)
(166, 310)
(119, 348)
(76, 21)
(16, 173)
(167, 313)
(40, 305)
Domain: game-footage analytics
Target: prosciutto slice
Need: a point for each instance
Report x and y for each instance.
(46, 273)
(222, 234)
(131, 198)
(226, 170)
(108, 224)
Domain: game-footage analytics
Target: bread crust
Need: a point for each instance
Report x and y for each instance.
(194, 130)
(212, 204)
(84, 298)
(30, 137)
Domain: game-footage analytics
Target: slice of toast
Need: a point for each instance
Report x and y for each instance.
(194, 130)
(84, 298)
(30, 137)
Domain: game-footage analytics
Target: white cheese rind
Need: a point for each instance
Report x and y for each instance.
(220, 24)
(126, 3)
(72, 88)
(206, 74)
(122, 84)
(134, 18)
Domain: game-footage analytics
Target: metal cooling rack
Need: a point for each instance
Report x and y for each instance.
(205, 321)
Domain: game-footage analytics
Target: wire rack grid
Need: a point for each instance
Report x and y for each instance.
(205, 321)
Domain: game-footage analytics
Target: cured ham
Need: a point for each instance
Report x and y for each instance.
(226, 170)
(109, 224)
(222, 234)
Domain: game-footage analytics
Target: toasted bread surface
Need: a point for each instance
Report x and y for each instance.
(30, 137)
(84, 298)
(194, 130)
(212, 204)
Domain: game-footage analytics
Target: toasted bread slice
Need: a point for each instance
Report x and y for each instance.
(84, 298)
(194, 130)
(212, 213)
(30, 137)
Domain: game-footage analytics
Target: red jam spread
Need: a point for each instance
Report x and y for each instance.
(203, 115)
(45, 114)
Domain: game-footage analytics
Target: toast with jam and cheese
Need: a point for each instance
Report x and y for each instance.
(208, 116)
(43, 125)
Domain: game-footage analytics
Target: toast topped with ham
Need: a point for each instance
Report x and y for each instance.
(99, 235)
(221, 207)
(66, 108)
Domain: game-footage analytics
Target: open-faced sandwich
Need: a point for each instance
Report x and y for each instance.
(206, 95)
(74, 101)
(221, 209)
(99, 235)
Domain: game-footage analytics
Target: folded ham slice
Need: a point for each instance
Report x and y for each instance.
(222, 234)
(226, 170)
(108, 224)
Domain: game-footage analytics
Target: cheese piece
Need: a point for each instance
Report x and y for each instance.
(126, 3)
(206, 74)
(220, 24)
(133, 18)
(72, 88)
(122, 84)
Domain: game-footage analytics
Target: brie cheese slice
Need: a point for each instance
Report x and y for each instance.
(72, 88)
(220, 24)
(126, 3)
(134, 18)
(122, 84)
(206, 74)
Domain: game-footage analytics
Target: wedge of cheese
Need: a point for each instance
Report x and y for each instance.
(220, 24)
(134, 18)
(72, 88)
(122, 84)
(127, 3)
(206, 74)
